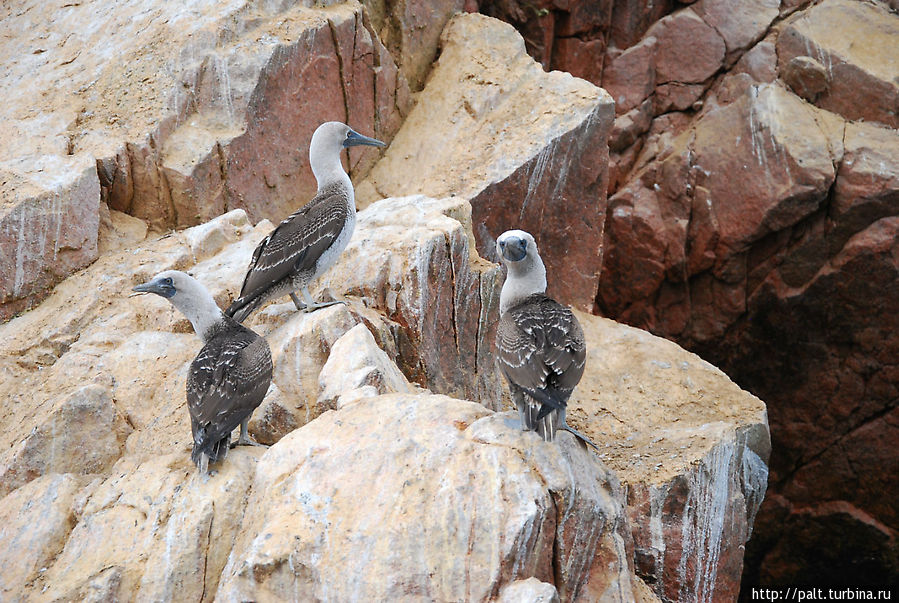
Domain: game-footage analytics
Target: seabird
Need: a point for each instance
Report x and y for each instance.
(309, 242)
(540, 342)
(229, 377)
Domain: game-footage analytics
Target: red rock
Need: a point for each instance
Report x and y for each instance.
(579, 58)
(740, 22)
(806, 77)
(675, 96)
(630, 76)
(689, 50)
(632, 18)
(856, 43)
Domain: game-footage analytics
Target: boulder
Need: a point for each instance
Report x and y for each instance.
(691, 450)
(474, 133)
(856, 44)
(482, 505)
(213, 111)
(36, 518)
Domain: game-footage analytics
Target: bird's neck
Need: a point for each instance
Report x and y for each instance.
(524, 278)
(329, 171)
(202, 312)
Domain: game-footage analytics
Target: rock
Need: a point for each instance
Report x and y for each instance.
(855, 42)
(674, 230)
(691, 450)
(153, 530)
(49, 219)
(630, 77)
(529, 590)
(689, 51)
(413, 260)
(552, 497)
(357, 367)
(36, 518)
(806, 77)
(83, 434)
(205, 118)
(519, 167)
(740, 23)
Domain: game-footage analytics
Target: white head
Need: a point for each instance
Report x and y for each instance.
(188, 295)
(328, 141)
(525, 273)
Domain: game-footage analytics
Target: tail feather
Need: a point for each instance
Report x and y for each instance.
(207, 451)
(242, 307)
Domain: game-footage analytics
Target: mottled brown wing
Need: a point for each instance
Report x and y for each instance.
(295, 245)
(227, 380)
(541, 348)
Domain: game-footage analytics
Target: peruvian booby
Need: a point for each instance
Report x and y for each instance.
(308, 242)
(229, 377)
(541, 345)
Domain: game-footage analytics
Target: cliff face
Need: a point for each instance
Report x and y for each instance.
(394, 470)
(752, 218)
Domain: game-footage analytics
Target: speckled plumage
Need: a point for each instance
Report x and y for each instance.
(300, 249)
(227, 381)
(542, 355)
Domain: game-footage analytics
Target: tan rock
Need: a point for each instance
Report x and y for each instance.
(154, 530)
(83, 433)
(691, 449)
(433, 528)
(476, 133)
(529, 590)
(35, 521)
(856, 44)
(356, 368)
(413, 260)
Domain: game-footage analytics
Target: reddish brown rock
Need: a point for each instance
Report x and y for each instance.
(630, 76)
(856, 43)
(632, 18)
(689, 50)
(741, 23)
(806, 77)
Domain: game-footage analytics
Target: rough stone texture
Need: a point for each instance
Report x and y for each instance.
(83, 433)
(358, 368)
(856, 43)
(475, 132)
(413, 259)
(689, 50)
(213, 110)
(49, 218)
(529, 590)
(34, 523)
(691, 451)
(560, 519)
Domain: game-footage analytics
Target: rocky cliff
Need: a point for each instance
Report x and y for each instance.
(752, 218)
(394, 471)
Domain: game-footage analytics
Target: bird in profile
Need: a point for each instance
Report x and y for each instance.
(541, 345)
(229, 377)
(308, 242)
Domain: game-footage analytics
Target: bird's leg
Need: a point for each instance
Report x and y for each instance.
(521, 405)
(245, 439)
(312, 305)
(300, 305)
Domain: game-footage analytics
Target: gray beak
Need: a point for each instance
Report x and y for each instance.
(354, 139)
(162, 287)
(514, 249)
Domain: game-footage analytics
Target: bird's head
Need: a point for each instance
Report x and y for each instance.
(328, 140)
(188, 295)
(515, 245)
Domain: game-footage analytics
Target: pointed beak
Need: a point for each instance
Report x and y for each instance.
(354, 139)
(155, 286)
(513, 249)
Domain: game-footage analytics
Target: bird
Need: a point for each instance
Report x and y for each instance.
(229, 377)
(541, 348)
(309, 241)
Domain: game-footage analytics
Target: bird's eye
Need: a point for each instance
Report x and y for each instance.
(168, 282)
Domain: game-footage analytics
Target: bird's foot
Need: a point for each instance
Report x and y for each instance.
(315, 305)
(247, 441)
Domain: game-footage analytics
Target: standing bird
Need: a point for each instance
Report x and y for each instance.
(540, 342)
(229, 377)
(309, 242)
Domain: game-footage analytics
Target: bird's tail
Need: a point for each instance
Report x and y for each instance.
(207, 451)
(243, 307)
